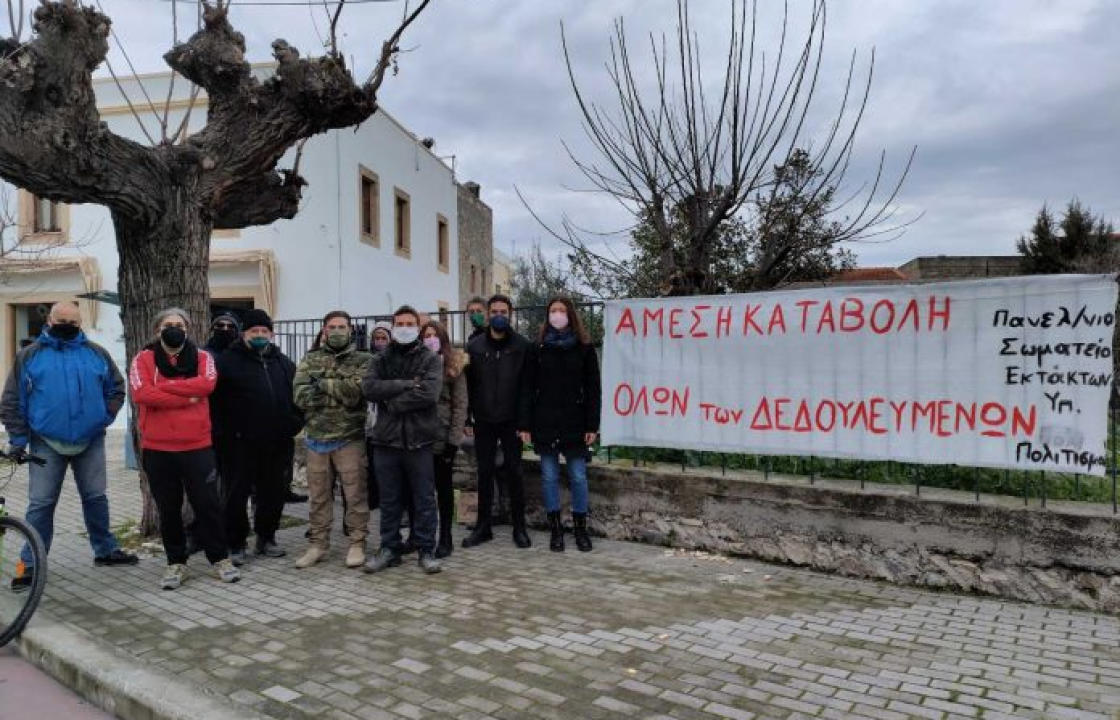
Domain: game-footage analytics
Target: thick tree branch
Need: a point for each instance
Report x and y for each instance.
(53, 142)
(259, 201)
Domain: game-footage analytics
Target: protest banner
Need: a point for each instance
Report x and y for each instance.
(1009, 372)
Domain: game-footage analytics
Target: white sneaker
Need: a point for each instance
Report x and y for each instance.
(226, 571)
(356, 555)
(313, 555)
(173, 576)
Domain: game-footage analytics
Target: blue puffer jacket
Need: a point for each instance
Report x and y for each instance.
(66, 390)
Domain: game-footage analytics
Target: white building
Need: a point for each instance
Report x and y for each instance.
(377, 228)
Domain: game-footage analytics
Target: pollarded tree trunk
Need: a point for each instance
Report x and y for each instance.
(159, 268)
(166, 198)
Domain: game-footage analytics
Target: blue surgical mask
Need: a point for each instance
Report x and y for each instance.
(499, 323)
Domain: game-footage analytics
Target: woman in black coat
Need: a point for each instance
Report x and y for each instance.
(563, 390)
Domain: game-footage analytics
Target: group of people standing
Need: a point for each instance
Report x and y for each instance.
(217, 423)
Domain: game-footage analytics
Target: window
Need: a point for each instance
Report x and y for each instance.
(402, 222)
(42, 221)
(474, 279)
(443, 244)
(46, 216)
(369, 207)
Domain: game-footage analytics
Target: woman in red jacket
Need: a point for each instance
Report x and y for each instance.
(171, 380)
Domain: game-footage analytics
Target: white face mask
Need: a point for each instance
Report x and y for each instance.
(558, 320)
(405, 335)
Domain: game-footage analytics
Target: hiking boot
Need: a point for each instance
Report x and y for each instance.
(25, 577)
(428, 563)
(556, 528)
(269, 548)
(173, 576)
(356, 555)
(238, 557)
(117, 557)
(384, 559)
(479, 535)
(294, 497)
(579, 529)
(226, 572)
(311, 556)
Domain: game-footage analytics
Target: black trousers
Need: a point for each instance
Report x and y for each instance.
(256, 468)
(371, 479)
(445, 494)
(404, 474)
(170, 476)
(487, 437)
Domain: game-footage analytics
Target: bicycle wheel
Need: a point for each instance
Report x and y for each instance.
(16, 608)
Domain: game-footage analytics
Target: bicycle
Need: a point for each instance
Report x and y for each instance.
(17, 607)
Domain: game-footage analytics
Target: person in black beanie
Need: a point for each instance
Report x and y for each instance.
(255, 407)
(224, 331)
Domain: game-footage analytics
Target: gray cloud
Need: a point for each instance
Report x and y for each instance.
(1011, 103)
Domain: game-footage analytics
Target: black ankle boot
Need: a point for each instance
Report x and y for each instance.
(443, 547)
(479, 535)
(579, 529)
(520, 536)
(556, 540)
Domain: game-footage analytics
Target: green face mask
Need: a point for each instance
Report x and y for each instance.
(478, 319)
(338, 340)
(258, 343)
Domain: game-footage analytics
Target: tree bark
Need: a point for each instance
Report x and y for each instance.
(162, 266)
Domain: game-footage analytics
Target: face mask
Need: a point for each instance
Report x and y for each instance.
(64, 331)
(432, 343)
(221, 338)
(499, 323)
(173, 337)
(338, 340)
(558, 320)
(405, 335)
(259, 343)
(478, 319)
(380, 344)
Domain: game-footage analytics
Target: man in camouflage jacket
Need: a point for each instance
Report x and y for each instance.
(328, 389)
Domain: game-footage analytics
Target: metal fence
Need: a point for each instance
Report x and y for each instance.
(295, 338)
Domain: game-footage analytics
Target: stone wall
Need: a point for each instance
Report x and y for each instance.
(962, 267)
(1018, 553)
(476, 242)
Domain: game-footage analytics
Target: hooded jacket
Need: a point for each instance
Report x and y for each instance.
(563, 388)
(65, 390)
(452, 406)
(328, 389)
(405, 381)
(253, 400)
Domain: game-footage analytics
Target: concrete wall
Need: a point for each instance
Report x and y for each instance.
(962, 267)
(1018, 553)
(476, 243)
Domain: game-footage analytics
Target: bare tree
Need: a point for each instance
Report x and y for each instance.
(166, 198)
(682, 155)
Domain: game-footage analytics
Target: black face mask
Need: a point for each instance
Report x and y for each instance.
(222, 337)
(173, 337)
(64, 331)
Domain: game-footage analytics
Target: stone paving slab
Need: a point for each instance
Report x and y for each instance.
(625, 631)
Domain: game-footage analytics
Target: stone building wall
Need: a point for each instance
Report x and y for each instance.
(476, 243)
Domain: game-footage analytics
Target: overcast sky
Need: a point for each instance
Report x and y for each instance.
(1010, 104)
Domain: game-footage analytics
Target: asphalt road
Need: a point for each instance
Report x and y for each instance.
(27, 692)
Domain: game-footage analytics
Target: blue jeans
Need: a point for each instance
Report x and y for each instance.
(577, 478)
(45, 486)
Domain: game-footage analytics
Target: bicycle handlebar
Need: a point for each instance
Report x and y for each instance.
(24, 458)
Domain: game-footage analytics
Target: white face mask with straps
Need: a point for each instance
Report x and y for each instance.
(405, 335)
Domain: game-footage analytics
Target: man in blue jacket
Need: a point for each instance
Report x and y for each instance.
(60, 396)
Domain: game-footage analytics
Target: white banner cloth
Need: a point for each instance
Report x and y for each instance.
(1010, 372)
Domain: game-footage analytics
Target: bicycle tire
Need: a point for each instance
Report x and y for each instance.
(17, 529)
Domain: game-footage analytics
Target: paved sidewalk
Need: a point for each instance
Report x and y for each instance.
(625, 631)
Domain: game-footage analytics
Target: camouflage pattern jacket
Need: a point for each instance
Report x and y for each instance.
(328, 389)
